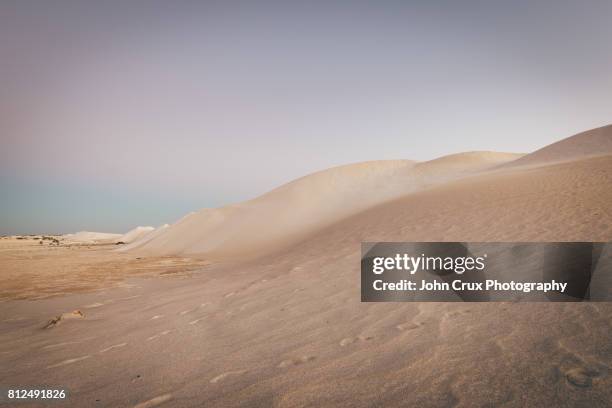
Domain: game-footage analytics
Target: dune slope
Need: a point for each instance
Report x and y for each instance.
(594, 142)
(291, 212)
(88, 237)
(289, 330)
(135, 234)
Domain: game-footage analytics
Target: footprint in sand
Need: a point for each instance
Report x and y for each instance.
(154, 401)
(223, 376)
(158, 335)
(578, 372)
(295, 361)
(113, 347)
(347, 341)
(581, 377)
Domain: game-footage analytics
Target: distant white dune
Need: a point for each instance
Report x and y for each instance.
(91, 237)
(144, 238)
(135, 234)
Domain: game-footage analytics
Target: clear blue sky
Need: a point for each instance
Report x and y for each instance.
(117, 114)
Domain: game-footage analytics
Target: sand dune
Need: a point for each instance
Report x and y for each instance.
(135, 234)
(557, 202)
(594, 142)
(288, 329)
(144, 238)
(88, 237)
(291, 212)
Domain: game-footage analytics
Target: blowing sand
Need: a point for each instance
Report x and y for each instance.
(288, 329)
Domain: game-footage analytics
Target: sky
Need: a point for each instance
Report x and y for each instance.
(118, 114)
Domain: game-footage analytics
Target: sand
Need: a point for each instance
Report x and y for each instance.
(288, 329)
(135, 234)
(594, 142)
(143, 239)
(30, 270)
(89, 237)
(290, 213)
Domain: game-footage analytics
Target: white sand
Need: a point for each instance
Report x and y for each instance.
(88, 237)
(135, 234)
(289, 330)
(144, 238)
(289, 213)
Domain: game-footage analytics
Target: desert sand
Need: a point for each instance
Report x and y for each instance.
(290, 213)
(31, 270)
(90, 237)
(274, 318)
(135, 234)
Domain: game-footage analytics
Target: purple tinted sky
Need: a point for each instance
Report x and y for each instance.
(114, 114)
